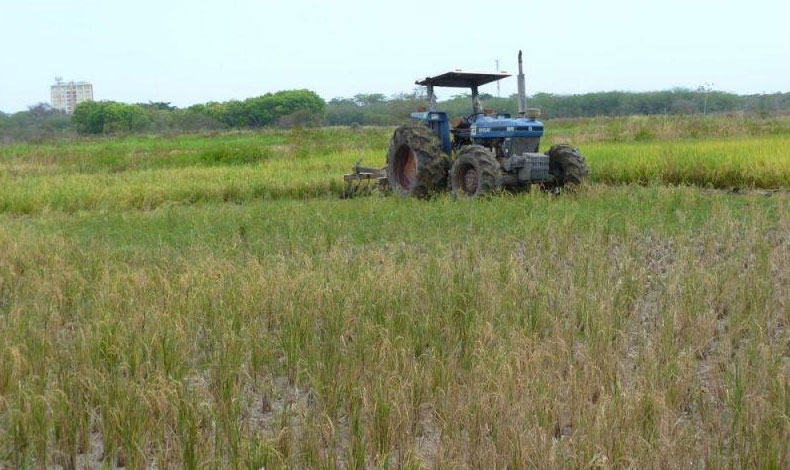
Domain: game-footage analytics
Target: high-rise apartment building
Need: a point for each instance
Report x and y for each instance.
(67, 95)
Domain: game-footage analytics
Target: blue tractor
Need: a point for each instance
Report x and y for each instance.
(479, 153)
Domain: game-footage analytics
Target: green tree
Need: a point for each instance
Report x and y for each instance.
(365, 99)
(88, 117)
(96, 117)
(269, 108)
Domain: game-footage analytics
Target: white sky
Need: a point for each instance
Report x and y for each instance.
(194, 51)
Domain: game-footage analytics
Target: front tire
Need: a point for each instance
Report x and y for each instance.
(475, 172)
(567, 165)
(416, 165)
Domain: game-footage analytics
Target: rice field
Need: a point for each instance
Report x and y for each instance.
(154, 171)
(207, 302)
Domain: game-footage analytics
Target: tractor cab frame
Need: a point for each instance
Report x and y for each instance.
(504, 134)
(438, 121)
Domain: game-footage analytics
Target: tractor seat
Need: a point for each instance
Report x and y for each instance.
(462, 129)
(462, 123)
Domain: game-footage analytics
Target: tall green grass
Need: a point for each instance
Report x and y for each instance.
(647, 128)
(113, 155)
(762, 162)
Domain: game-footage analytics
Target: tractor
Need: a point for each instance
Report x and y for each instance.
(476, 155)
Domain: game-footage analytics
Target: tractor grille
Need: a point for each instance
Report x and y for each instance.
(539, 166)
(519, 145)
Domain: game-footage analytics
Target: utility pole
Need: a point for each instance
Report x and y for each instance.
(705, 88)
(497, 83)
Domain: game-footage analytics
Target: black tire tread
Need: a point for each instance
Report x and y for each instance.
(489, 174)
(567, 164)
(432, 164)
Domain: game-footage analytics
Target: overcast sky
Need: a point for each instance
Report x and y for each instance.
(194, 51)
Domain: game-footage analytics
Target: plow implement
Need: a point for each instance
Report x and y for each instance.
(362, 180)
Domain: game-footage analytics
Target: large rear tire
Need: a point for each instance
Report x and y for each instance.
(475, 172)
(567, 165)
(416, 165)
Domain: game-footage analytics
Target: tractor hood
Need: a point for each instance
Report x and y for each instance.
(500, 127)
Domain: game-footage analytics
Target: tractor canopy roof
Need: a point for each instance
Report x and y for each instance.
(461, 79)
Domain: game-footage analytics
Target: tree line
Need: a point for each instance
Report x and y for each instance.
(291, 108)
(283, 108)
(375, 109)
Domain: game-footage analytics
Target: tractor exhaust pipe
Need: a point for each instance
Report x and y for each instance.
(522, 89)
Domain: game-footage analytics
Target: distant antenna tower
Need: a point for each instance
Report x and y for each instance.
(497, 83)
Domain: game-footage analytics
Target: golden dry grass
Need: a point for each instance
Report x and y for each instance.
(616, 328)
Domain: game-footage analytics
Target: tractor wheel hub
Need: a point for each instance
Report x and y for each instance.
(469, 181)
(406, 167)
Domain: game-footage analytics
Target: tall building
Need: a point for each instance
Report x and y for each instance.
(66, 96)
